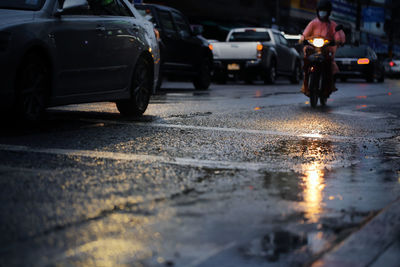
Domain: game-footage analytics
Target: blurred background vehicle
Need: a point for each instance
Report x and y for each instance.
(184, 53)
(359, 62)
(392, 67)
(252, 53)
(293, 40)
(75, 51)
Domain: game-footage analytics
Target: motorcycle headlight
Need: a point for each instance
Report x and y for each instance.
(318, 42)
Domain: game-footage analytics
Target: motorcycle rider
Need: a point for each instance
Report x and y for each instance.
(325, 28)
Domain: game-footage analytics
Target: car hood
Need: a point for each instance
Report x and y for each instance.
(12, 17)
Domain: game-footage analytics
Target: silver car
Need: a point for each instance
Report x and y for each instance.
(57, 52)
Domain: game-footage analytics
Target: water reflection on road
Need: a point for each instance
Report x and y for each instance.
(313, 186)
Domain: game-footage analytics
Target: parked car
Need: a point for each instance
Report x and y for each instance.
(250, 53)
(392, 67)
(74, 51)
(184, 53)
(359, 62)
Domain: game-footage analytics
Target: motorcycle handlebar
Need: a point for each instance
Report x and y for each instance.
(331, 43)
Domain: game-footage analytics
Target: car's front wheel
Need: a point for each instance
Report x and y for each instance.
(32, 88)
(203, 80)
(141, 87)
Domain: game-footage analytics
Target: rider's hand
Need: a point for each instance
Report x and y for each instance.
(301, 40)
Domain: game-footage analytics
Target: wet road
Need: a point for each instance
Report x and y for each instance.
(240, 175)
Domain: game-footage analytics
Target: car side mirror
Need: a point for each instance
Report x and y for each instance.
(183, 35)
(71, 5)
(197, 30)
(339, 28)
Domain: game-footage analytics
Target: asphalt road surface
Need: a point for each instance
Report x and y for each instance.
(239, 175)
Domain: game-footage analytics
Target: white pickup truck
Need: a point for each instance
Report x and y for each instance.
(252, 53)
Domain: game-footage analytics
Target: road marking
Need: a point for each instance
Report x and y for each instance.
(239, 130)
(190, 162)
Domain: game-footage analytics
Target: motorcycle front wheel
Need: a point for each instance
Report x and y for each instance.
(314, 86)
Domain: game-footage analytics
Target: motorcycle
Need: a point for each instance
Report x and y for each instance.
(319, 68)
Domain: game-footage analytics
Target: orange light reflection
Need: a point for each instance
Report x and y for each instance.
(313, 191)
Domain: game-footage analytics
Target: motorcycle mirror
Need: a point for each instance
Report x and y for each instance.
(339, 28)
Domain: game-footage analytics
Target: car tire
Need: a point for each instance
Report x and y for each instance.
(381, 78)
(271, 73)
(203, 79)
(32, 88)
(140, 91)
(296, 76)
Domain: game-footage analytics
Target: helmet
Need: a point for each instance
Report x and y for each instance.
(324, 9)
(324, 5)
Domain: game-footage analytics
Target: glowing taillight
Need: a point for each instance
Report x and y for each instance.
(211, 47)
(363, 61)
(259, 47)
(392, 64)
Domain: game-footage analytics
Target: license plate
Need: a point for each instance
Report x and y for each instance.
(347, 62)
(233, 66)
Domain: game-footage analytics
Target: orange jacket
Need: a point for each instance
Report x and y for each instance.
(317, 28)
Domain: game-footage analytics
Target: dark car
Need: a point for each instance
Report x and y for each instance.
(183, 52)
(359, 62)
(392, 67)
(55, 52)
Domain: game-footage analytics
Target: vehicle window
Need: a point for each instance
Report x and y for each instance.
(283, 40)
(22, 4)
(146, 13)
(351, 52)
(125, 11)
(249, 36)
(181, 24)
(277, 38)
(108, 8)
(166, 22)
(76, 11)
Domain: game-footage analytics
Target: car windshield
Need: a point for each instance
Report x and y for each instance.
(351, 52)
(22, 4)
(249, 36)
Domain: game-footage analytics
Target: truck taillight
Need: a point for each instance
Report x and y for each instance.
(392, 64)
(259, 50)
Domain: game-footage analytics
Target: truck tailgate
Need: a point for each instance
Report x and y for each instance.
(235, 50)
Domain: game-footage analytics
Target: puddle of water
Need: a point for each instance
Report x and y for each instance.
(272, 245)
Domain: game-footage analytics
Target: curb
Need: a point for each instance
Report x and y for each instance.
(365, 246)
